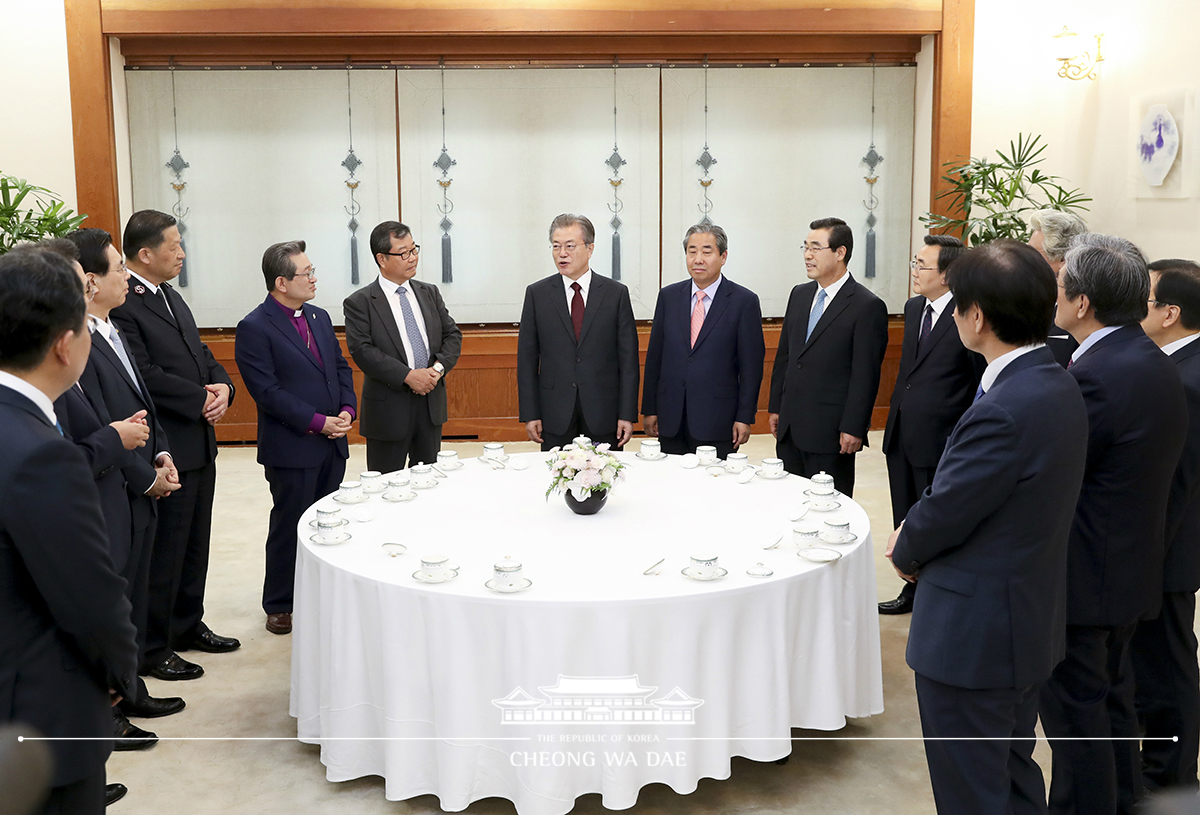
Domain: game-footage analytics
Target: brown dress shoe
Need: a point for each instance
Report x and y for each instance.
(280, 623)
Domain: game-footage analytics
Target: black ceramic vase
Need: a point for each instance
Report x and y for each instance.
(588, 506)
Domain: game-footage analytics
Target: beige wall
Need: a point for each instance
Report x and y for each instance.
(35, 118)
(1149, 50)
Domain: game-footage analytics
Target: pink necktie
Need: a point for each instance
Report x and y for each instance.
(697, 317)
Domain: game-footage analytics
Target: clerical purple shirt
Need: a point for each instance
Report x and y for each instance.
(296, 316)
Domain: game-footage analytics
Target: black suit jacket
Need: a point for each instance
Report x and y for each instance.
(176, 366)
(602, 367)
(1182, 571)
(989, 536)
(290, 386)
(933, 387)
(718, 379)
(374, 342)
(1137, 420)
(827, 385)
(67, 636)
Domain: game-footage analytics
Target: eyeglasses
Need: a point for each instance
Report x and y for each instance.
(416, 250)
(916, 266)
(1161, 303)
(122, 268)
(568, 247)
(812, 247)
(311, 273)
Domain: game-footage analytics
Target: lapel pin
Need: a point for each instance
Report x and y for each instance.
(139, 289)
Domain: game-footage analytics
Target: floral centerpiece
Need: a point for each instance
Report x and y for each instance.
(584, 474)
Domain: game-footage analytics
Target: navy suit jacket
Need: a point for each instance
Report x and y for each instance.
(934, 387)
(827, 385)
(1137, 420)
(1182, 571)
(719, 378)
(290, 386)
(601, 367)
(989, 536)
(67, 636)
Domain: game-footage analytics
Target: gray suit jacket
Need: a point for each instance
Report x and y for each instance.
(374, 342)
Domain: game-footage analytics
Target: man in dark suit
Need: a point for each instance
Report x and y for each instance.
(989, 540)
(191, 392)
(1053, 230)
(1137, 420)
(405, 341)
(1165, 670)
(68, 643)
(934, 387)
(704, 364)
(827, 365)
(577, 351)
(293, 367)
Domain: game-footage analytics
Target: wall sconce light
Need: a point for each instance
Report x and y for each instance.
(1074, 62)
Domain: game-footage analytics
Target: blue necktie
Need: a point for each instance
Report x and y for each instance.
(420, 352)
(815, 316)
(119, 346)
(58, 427)
(978, 393)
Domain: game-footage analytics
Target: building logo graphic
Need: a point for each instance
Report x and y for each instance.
(598, 700)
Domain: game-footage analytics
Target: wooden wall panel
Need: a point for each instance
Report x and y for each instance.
(954, 56)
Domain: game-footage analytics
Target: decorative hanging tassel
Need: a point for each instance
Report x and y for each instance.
(183, 272)
(870, 270)
(616, 256)
(353, 259)
(447, 268)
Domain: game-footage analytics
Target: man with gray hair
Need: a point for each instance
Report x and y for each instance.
(1053, 230)
(1137, 419)
(293, 367)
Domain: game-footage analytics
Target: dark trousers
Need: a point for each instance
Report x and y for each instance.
(808, 464)
(1089, 695)
(981, 777)
(293, 490)
(83, 797)
(1167, 695)
(420, 442)
(578, 427)
(137, 577)
(179, 565)
(908, 484)
(685, 442)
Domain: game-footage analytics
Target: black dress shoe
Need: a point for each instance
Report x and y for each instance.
(901, 605)
(152, 707)
(114, 793)
(175, 668)
(128, 736)
(205, 640)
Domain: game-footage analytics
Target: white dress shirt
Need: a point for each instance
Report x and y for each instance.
(585, 285)
(1001, 362)
(44, 402)
(1094, 338)
(389, 289)
(152, 287)
(709, 294)
(939, 305)
(830, 291)
(1172, 347)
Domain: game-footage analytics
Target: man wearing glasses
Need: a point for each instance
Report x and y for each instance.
(292, 365)
(577, 351)
(405, 341)
(826, 371)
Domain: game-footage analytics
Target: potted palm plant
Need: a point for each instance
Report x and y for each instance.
(30, 213)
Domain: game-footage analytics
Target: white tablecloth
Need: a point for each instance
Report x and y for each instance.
(673, 677)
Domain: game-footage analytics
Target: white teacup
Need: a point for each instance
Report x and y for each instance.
(805, 533)
(351, 491)
(422, 476)
(493, 450)
(399, 482)
(436, 567)
(772, 467)
(651, 448)
(704, 565)
(507, 573)
(837, 528)
(448, 459)
(372, 481)
(822, 484)
(327, 531)
(334, 514)
(582, 441)
(736, 462)
(707, 454)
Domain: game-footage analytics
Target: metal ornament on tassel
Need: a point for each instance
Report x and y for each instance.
(615, 162)
(872, 159)
(706, 160)
(177, 165)
(352, 163)
(444, 163)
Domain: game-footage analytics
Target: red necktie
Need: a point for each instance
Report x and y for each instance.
(577, 310)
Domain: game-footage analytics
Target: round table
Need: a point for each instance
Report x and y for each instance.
(599, 678)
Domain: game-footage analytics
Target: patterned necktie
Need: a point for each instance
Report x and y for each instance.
(577, 310)
(420, 352)
(815, 316)
(162, 295)
(119, 346)
(926, 326)
(697, 317)
(978, 393)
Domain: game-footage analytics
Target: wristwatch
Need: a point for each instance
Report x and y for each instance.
(440, 368)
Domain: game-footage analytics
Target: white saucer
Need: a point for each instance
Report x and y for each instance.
(428, 486)
(398, 497)
(501, 459)
(451, 467)
(648, 457)
(342, 538)
(760, 571)
(518, 464)
(818, 555)
(338, 497)
(524, 584)
(374, 492)
(394, 549)
(820, 495)
(833, 505)
(340, 522)
(689, 461)
(851, 538)
(687, 572)
(421, 577)
(715, 470)
(770, 477)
